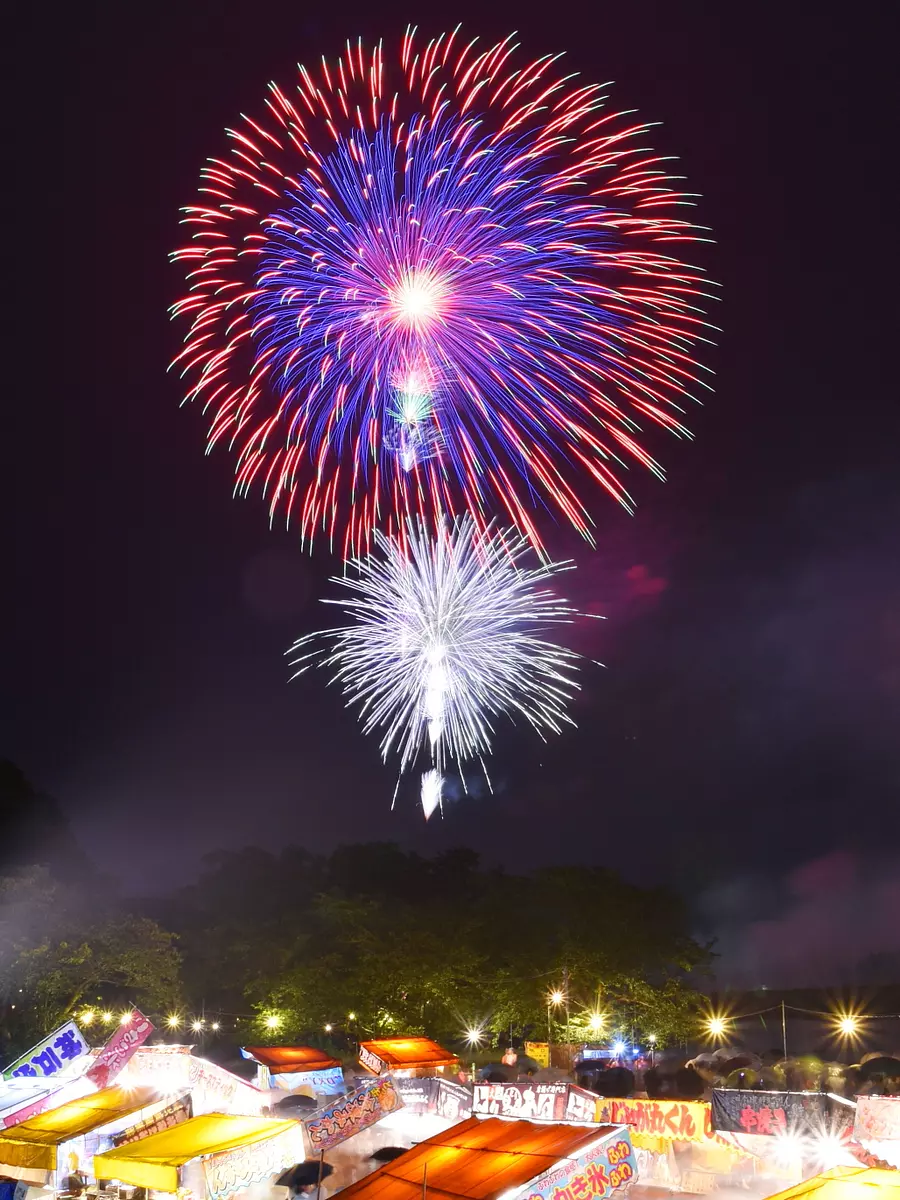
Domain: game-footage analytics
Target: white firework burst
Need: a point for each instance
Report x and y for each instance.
(446, 636)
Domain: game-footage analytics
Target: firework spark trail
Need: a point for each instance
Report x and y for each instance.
(446, 636)
(433, 283)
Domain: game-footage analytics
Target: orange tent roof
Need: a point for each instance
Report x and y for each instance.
(285, 1060)
(478, 1159)
(409, 1052)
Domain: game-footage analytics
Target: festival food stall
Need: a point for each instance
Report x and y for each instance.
(300, 1070)
(675, 1144)
(216, 1155)
(405, 1056)
(485, 1158)
(846, 1183)
(790, 1135)
(54, 1141)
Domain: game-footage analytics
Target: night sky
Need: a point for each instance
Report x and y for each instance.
(745, 727)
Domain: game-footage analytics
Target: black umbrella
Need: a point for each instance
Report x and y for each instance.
(305, 1174)
(388, 1153)
(497, 1073)
(885, 1065)
(294, 1102)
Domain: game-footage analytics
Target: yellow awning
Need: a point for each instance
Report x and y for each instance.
(153, 1161)
(33, 1143)
(847, 1183)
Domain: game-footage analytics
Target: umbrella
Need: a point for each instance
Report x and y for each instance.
(289, 1102)
(883, 1065)
(388, 1153)
(496, 1073)
(305, 1174)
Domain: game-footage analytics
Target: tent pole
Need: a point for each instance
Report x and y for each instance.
(321, 1164)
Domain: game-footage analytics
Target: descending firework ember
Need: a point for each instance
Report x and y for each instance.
(434, 284)
(445, 637)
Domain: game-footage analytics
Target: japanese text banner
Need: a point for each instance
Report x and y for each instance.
(774, 1113)
(362, 1108)
(674, 1120)
(119, 1049)
(51, 1055)
(603, 1170)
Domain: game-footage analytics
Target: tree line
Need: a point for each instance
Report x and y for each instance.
(369, 940)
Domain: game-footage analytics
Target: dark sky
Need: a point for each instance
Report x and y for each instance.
(747, 717)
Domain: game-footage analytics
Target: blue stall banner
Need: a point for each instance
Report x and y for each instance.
(50, 1056)
(329, 1082)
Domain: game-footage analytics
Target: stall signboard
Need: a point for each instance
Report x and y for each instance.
(128, 1038)
(605, 1169)
(539, 1051)
(327, 1082)
(453, 1101)
(26, 1112)
(235, 1171)
(581, 1105)
(674, 1120)
(418, 1095)
(351, 1114)
(371, 1061)
(437, 1097)
(529, 1100)
(50, 1056)
(173, 1069)
(173, 1114)
(877, 1119)
(774, 1113)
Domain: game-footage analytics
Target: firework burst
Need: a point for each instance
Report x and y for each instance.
(446, 636)
(436, 282)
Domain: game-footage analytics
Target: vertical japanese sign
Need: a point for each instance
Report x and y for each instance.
(596, 1174)
(50, 1056)
(119, 1049)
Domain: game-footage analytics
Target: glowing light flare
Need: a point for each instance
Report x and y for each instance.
(106, 1017)
(88, 1017)
(272, 1021)
(717, 1025)
(596, 1021)
(173, 1021)
(125, 1018)
(196, 1026)
(474, 1036)
(847, 1024)
(557, 997)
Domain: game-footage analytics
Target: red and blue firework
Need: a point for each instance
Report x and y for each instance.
(442, 285)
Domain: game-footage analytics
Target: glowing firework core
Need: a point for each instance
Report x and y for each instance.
(417, 301)
(446, 635)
